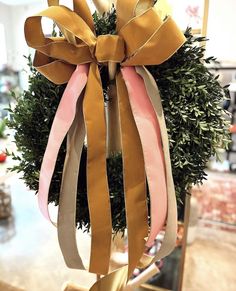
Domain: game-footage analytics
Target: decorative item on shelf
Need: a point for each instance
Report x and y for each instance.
(90, 57)
(192, 13)
(5, 202)
(9, 81)
(3, 156)
(9, 85)
(232, 107)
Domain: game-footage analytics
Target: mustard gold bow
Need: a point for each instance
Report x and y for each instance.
(142, 38)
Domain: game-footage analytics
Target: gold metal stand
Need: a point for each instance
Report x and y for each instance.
(184, 241)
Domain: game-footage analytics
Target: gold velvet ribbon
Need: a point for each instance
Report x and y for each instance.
(97, 185)
(142, 39)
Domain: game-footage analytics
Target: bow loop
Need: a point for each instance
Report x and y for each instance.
(159, 47)
(138, 30)
(126, 10)
(143, 5)
(80, 7)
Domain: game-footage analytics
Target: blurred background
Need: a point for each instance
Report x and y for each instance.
(205, 258)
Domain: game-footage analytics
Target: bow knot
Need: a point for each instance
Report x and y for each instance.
(110, 48)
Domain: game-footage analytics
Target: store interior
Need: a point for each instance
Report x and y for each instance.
(204, 258)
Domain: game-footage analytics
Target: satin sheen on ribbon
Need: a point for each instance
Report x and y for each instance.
(62, 122)
(67, 203)
(134, 178)
(171, 222)
(63, 59)
(150, 136)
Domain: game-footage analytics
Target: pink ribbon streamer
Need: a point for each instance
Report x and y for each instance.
(150, 135)
(61, 124)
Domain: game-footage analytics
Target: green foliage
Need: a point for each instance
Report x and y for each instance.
(2, 128)
(32, 119)
(192, 101)
(105, 24)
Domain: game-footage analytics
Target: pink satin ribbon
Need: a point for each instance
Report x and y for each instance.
(150, 135)
(61, 124)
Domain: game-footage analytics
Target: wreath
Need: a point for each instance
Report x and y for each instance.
(194, 115)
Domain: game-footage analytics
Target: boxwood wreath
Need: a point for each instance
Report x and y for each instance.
(192, 100)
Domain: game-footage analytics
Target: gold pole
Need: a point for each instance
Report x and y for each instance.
(205, 17)
(205, 20)
(184, 242)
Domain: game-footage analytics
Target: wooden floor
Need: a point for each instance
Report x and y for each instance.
(30, 257)
(217, 200)
(211, 262)
(7, 287)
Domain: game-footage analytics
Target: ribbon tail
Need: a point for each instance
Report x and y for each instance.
(97, 183)
(134, 179)
(68, 194)
(169, 241)
(114, 281)
(149, 132)
(61, 124)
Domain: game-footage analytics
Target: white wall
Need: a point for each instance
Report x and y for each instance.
(13, 18)
(222, 30)
(6, 21)
(18, 14)
(19, 48)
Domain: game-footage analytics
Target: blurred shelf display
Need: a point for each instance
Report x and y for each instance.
(5, 202)
(6, 145)
(9, 82)
(232, 109)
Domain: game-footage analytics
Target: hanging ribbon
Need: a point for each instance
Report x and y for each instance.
(149, 131)
(142, 39)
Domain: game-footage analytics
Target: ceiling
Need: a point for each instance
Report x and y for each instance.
(18, 2)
